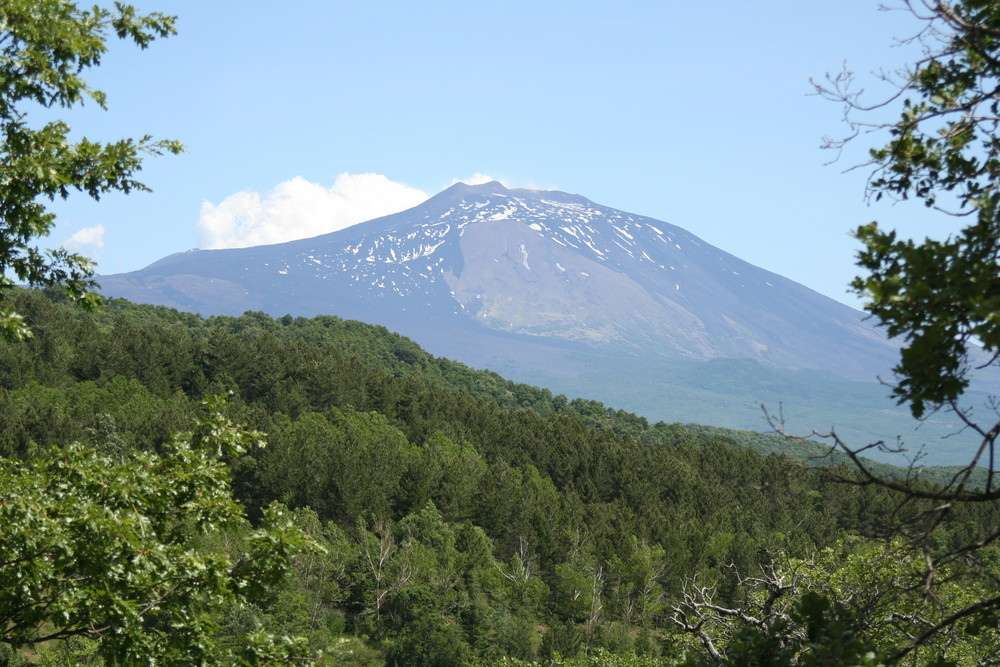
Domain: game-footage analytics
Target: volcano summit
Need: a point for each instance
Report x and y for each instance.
(552, 289)
(477, 271)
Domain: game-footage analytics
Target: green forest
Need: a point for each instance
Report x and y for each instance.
(446, 516)
(179, 490)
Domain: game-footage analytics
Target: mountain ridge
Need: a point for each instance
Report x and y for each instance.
(540, 264)
(551, 289)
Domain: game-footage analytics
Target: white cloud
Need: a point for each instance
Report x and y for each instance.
(89, 241)
(299, 209)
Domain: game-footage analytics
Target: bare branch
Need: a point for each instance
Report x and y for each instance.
(971, 610)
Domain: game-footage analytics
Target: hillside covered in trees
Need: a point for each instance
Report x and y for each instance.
(457, 518)
(251, 491)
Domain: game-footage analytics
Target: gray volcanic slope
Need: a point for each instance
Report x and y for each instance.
(514, 278)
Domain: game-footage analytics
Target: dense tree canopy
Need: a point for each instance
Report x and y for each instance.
(427, 514)
(106, 546)
(453, 528)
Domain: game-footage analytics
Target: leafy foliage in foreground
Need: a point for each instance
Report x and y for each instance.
(452, 529)
(46, 46)
(106, 547)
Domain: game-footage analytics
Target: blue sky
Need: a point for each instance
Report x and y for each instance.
(301, 117)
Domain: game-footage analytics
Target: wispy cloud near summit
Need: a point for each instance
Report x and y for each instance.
(297, 209)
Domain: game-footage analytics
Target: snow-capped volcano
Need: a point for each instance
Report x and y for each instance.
(545, 268)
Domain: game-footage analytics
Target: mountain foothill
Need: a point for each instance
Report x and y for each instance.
(552, 289)
(444, 515)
